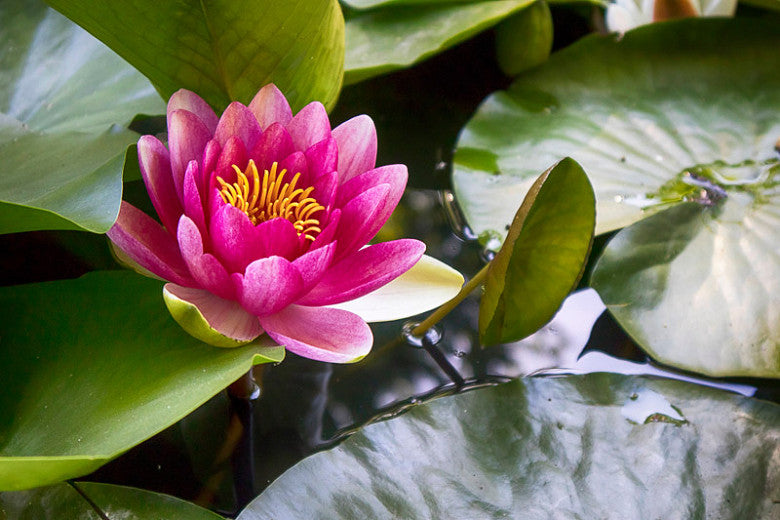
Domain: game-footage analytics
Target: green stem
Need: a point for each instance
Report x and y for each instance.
(445, 309)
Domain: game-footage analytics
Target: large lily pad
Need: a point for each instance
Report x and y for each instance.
(67, 501)
(64, 100)
(543, 256)
(399, 36)
(636, 113)
(698, 286)
(225, 50)
(92, 367)
(598, 446)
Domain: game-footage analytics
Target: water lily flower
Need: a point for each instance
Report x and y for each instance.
(264, 220)
(623, 15)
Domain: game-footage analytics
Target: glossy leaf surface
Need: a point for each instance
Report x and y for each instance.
(63, 501)
(542, 258)
(92, 367)
(64, 102)
(540, 448)
(224, 50)
(396, 37)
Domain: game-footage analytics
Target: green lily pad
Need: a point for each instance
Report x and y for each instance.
(542, 258)
(697, 286)
(225, 50)
(92, 367)
(64, 102)
(67, 501)
(636, 113)
(396, 37)
(595, 446)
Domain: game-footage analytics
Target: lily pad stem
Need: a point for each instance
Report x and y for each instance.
(445, 309)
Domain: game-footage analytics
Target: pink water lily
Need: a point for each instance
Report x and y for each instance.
(265, 217)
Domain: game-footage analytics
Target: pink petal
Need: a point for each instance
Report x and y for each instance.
(238, 121)
(211, 156)
(314, 264)
(191, 102)
(295, 163)
(187, 139)
(364, 271)
(320, 333)
(269, 285)
(325, 188)
(237, 242)
(274, 145)
(323, 157)
(329, 231)
(359, 218)
(393, 176)
(225, 316)
(147, 243)
(155, 165)
(357, 144)
(270, 106)
(205, 268)
(193, 206)
(309, 126)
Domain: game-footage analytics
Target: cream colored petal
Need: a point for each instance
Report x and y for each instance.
(425, 286)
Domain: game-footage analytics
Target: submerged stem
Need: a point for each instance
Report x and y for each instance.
(445, 309)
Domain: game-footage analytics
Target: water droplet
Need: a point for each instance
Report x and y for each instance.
(646, 406)
(433, 336)
(459, 354)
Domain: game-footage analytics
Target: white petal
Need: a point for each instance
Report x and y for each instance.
(425, 286)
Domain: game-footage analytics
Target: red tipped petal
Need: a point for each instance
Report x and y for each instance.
(205, 268)
(187, 139)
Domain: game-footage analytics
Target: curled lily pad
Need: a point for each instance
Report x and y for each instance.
(542, 258)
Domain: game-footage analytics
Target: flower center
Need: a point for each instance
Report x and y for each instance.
(272, 198)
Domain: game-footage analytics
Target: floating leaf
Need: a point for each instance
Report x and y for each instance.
(65, 501)
(697, 286)
(396, 37)
(636, 113)
(61, 95)
(540, 448)
(92, 367)
(543, 256)
(224, 50)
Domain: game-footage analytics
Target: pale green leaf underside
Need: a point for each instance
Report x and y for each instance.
(64, 102)
(102, 365)
(634, 113)
(542, 448)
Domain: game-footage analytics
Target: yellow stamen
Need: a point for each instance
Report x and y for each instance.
(273, 198)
